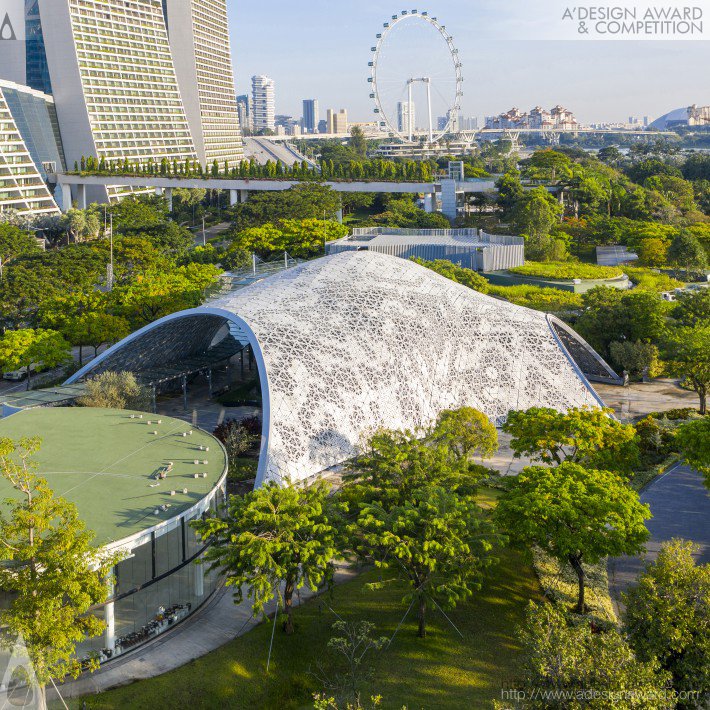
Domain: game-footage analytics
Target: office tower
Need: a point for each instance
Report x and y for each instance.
(406, 117)
(114, 82)
(337, 122)
(244, 111)
(263, 103)
(199, 40)
(22, 187)
(310, 115)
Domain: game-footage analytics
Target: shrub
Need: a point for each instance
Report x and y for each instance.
(566, 271)
(115, 390)
(459, 274)
(538, 297)
(650, 280)
(676, 414)
(237, 438)
(656, 439)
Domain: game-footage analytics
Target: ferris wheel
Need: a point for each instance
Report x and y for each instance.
(415, 63)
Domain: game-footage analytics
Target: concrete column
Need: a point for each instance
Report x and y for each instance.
(110, 631)
(81, 196)
(159, 191)
(63, 195)
(430, 202)
(243, 195)
(340, 215)
(199, 579)
(169, 197)
(233, 197)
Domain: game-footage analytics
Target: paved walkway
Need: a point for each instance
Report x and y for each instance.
(680, 504)
(217, 622)
(641, 398)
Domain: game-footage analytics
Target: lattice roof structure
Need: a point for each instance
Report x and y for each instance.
(360, 340)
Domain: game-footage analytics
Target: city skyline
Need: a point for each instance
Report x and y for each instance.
(330, 62)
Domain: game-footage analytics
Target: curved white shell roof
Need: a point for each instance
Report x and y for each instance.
(360, 340)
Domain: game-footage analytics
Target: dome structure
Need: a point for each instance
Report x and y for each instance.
(349, 343)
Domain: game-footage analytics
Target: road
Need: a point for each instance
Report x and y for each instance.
(680, 504)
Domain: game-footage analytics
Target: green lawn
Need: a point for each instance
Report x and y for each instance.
(442, 671)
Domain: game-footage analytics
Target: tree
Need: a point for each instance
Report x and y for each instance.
(50, 572)
(353, 645)
(653, 252)
(575, 514)
(693, 440)
(562, 658)
(636, 358)
(15, 242)
(667, 616)
(97, 329)
(693, 308)
(610, 315)
(685, 253)
(536, 213)
(687, 351)
(115, 390)
(435, 540)
(358, 142)
(26, 347)
(394, 464)
(591, 437)
(274, 537)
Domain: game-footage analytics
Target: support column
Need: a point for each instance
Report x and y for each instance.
(109, 620)
(64, 196)
(340, 216)
(241, 361)
(209, 381)
(199, 579)
(169, 198)
(81, 196)
(243, 195)
(233, 197)
(184, 391)
(154, 400)
(429, 202)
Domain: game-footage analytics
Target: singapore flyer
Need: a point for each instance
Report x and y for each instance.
(416, 80)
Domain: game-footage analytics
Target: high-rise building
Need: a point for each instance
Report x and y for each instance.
(337, 123)
(244, 111)
(114, 82)
(199, 39)
(311, 114)
(406, 117)
(263, 103)
(25, 144)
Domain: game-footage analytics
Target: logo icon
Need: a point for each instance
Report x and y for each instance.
(7, 31)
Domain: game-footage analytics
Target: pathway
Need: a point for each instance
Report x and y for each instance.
(680, 504)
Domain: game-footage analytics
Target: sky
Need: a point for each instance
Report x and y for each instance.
(321, 48)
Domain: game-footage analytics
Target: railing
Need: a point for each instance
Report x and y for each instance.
(483, 237)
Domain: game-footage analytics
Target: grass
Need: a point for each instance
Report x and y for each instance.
(245, 393)
(442, 670)
(566, 270)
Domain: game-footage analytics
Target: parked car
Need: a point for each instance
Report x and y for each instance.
(21, 374)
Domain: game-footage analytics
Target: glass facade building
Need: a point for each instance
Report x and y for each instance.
(158, 584)
(27, 141)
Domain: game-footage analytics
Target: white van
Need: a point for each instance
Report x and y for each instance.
(21, 374)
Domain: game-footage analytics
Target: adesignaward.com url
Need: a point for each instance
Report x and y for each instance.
(665, 697)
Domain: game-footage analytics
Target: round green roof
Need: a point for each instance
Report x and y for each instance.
(108, 463)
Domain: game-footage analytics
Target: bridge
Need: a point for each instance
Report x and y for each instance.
(239, 188)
